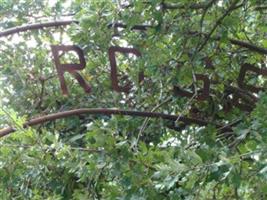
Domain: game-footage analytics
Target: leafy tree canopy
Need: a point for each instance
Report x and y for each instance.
(125, 157)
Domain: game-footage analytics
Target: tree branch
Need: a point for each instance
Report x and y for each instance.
(245, 44)
(218, 22)
(144, 125)
(205, 11)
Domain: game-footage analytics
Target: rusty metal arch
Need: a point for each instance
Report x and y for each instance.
(108, 111)
(35, 26)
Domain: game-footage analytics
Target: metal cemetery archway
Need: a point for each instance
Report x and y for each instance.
(178, 91)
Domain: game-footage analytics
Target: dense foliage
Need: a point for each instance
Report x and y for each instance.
(124, 157)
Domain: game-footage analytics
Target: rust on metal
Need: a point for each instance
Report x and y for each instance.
(241, 79)
(72, 68)
(249, 46)
(28, 27)
(108, 111)
(241, 99)
(114, 71)
(135, 27)
(203, 94)
(36, 26)
(242, 103)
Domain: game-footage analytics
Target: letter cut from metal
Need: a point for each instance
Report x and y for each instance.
(241, 79)
(203, 94)
(72, 68)
(114, 71)
(243, 103)
(242, 99)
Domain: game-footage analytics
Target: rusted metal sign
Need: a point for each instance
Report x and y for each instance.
(202, 94)
(72, 68)
(242, 97)
(241, 79)
(114, 71)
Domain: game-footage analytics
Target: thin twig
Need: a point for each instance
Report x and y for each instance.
(204, 13)
(218, 22)
(147, 119)
(188, 103)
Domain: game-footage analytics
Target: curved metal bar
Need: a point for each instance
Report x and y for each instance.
(107, 111)
(240, 43)
(28, 27)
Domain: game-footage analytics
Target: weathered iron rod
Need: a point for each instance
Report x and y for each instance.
(35, 26)
(106, 111)
(28, 27)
